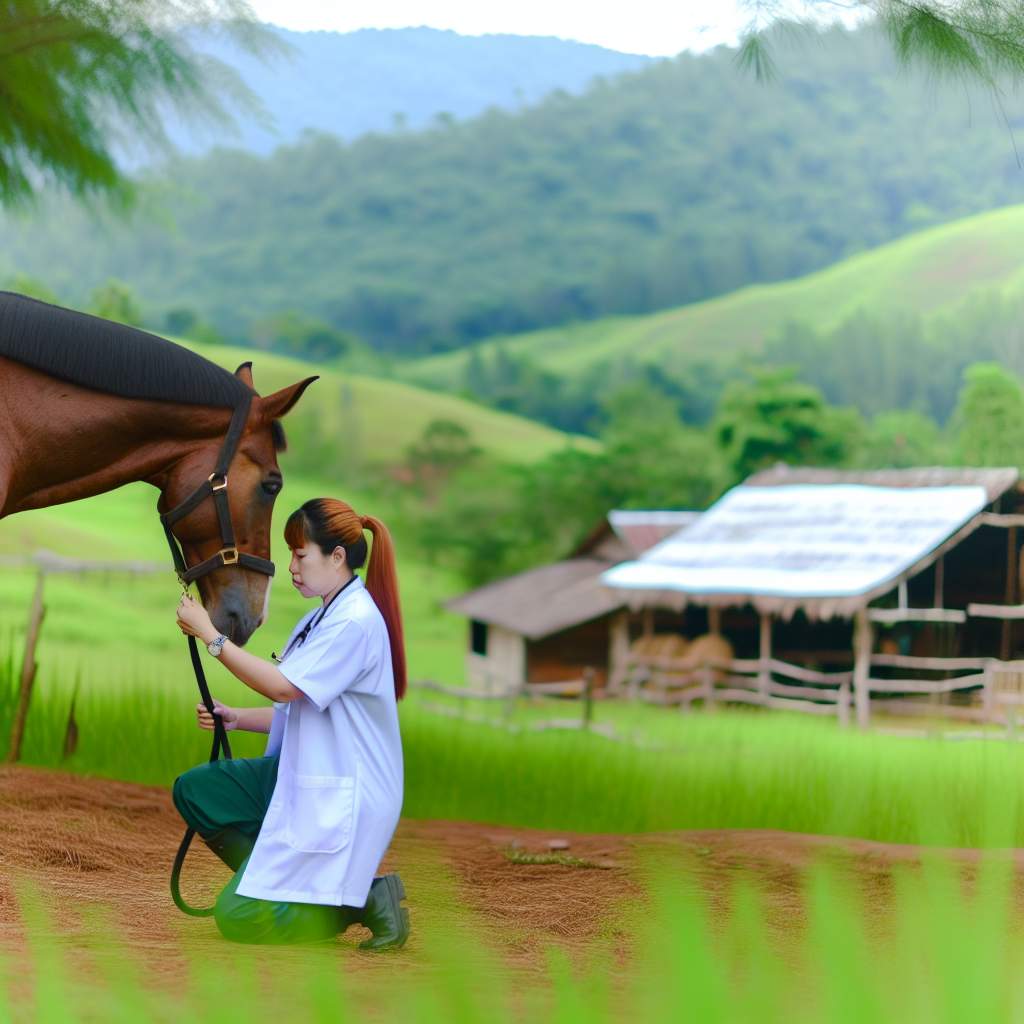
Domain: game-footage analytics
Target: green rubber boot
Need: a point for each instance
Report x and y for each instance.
(384, 914)
(230, 845)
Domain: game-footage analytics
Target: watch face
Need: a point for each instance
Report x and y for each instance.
(214, 647)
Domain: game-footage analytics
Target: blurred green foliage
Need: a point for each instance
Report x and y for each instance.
(669, 185)
(78, 76)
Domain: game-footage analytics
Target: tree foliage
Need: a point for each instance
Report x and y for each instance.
(974, 40)
(777, 418)
(77, 76)
(989, 420)
(679, 182)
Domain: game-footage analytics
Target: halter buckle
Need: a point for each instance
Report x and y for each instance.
(229, 556)
(218, 486)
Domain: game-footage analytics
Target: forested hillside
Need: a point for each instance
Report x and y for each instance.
(374, 80)
(670, 185)
(892, 328)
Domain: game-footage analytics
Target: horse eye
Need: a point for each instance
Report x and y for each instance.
(271, 486)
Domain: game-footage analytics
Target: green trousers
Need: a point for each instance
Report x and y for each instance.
(236, 794)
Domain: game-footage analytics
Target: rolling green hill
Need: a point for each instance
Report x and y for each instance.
(925, 273)
(351, 422)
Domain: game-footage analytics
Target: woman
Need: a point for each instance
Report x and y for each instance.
(305, 826)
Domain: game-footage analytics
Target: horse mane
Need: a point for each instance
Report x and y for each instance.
(109, 357)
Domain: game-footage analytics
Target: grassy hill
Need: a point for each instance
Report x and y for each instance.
(346, 422)
(925, 272)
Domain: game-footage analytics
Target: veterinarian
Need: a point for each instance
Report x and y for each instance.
(305, 826)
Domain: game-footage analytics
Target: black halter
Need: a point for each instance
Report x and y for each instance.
(215, 486)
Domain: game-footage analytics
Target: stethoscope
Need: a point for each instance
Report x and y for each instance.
(311, 625)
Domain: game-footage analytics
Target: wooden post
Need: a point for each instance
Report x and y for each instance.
(588, 696)
(764, 675)
(28, 671)
(862, 644)
(940, 578)
(618, 652)
(714, 620)
(843, 704)
(1010, 594)
(988, 694)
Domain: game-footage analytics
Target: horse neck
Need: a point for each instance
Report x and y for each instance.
(73, 443)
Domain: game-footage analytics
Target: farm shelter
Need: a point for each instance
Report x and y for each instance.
(549, 623)
(901, 585)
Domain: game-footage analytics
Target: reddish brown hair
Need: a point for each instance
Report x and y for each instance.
(330, 523)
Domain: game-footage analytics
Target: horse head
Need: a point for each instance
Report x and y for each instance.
(235, 596)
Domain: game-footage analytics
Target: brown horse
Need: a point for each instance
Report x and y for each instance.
(87, 405)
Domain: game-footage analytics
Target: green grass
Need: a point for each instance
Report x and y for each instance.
(936, 953)
(925, 272)
(354, 422)
(733, 769)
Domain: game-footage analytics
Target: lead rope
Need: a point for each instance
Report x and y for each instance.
(220, 744)
(220, 736)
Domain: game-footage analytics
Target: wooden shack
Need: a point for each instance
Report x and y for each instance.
(549, 623)
(902, 586)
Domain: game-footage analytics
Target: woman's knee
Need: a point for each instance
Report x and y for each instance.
(187, 794)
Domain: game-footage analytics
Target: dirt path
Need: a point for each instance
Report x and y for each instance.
(93, 846)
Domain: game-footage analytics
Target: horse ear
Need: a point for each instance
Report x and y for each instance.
(244, 374)
(280, 402)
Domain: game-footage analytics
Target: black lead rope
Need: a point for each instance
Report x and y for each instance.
(220, 745)
(214, 487)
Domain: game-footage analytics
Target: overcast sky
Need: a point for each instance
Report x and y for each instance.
(656, 27)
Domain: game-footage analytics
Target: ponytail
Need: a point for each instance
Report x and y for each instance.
(382, 583)
(330, 523)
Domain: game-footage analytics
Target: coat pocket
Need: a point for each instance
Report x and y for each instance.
(320, 812)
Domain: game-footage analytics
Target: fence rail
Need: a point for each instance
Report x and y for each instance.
(511, 696)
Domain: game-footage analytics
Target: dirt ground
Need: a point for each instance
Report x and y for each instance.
(94, 847)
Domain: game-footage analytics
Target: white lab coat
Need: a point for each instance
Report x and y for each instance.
(338, 794)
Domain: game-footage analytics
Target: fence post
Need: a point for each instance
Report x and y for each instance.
(588, 696)
(988, 694)
(844, 704)
(863, 641)
(28, 670)
(764, 674)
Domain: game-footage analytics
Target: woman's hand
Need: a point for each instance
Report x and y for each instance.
(229, 716)
(194, 619)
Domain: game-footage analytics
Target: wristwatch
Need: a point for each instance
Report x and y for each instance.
(216, 646)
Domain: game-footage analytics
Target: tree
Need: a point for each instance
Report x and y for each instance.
(70, 68)
(899, 440)
(988, 424)
(444, 447)
(977, 39)
(116, 301)
(23, 284)
(777, 418)
(299, 335)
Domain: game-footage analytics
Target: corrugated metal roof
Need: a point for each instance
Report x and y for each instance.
(543, 601)
(996, 480)
(642, 529)
(827, 547)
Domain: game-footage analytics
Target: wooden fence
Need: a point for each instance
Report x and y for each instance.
(510, 698)
(992, 690)
(47, 563)
(673, 681)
